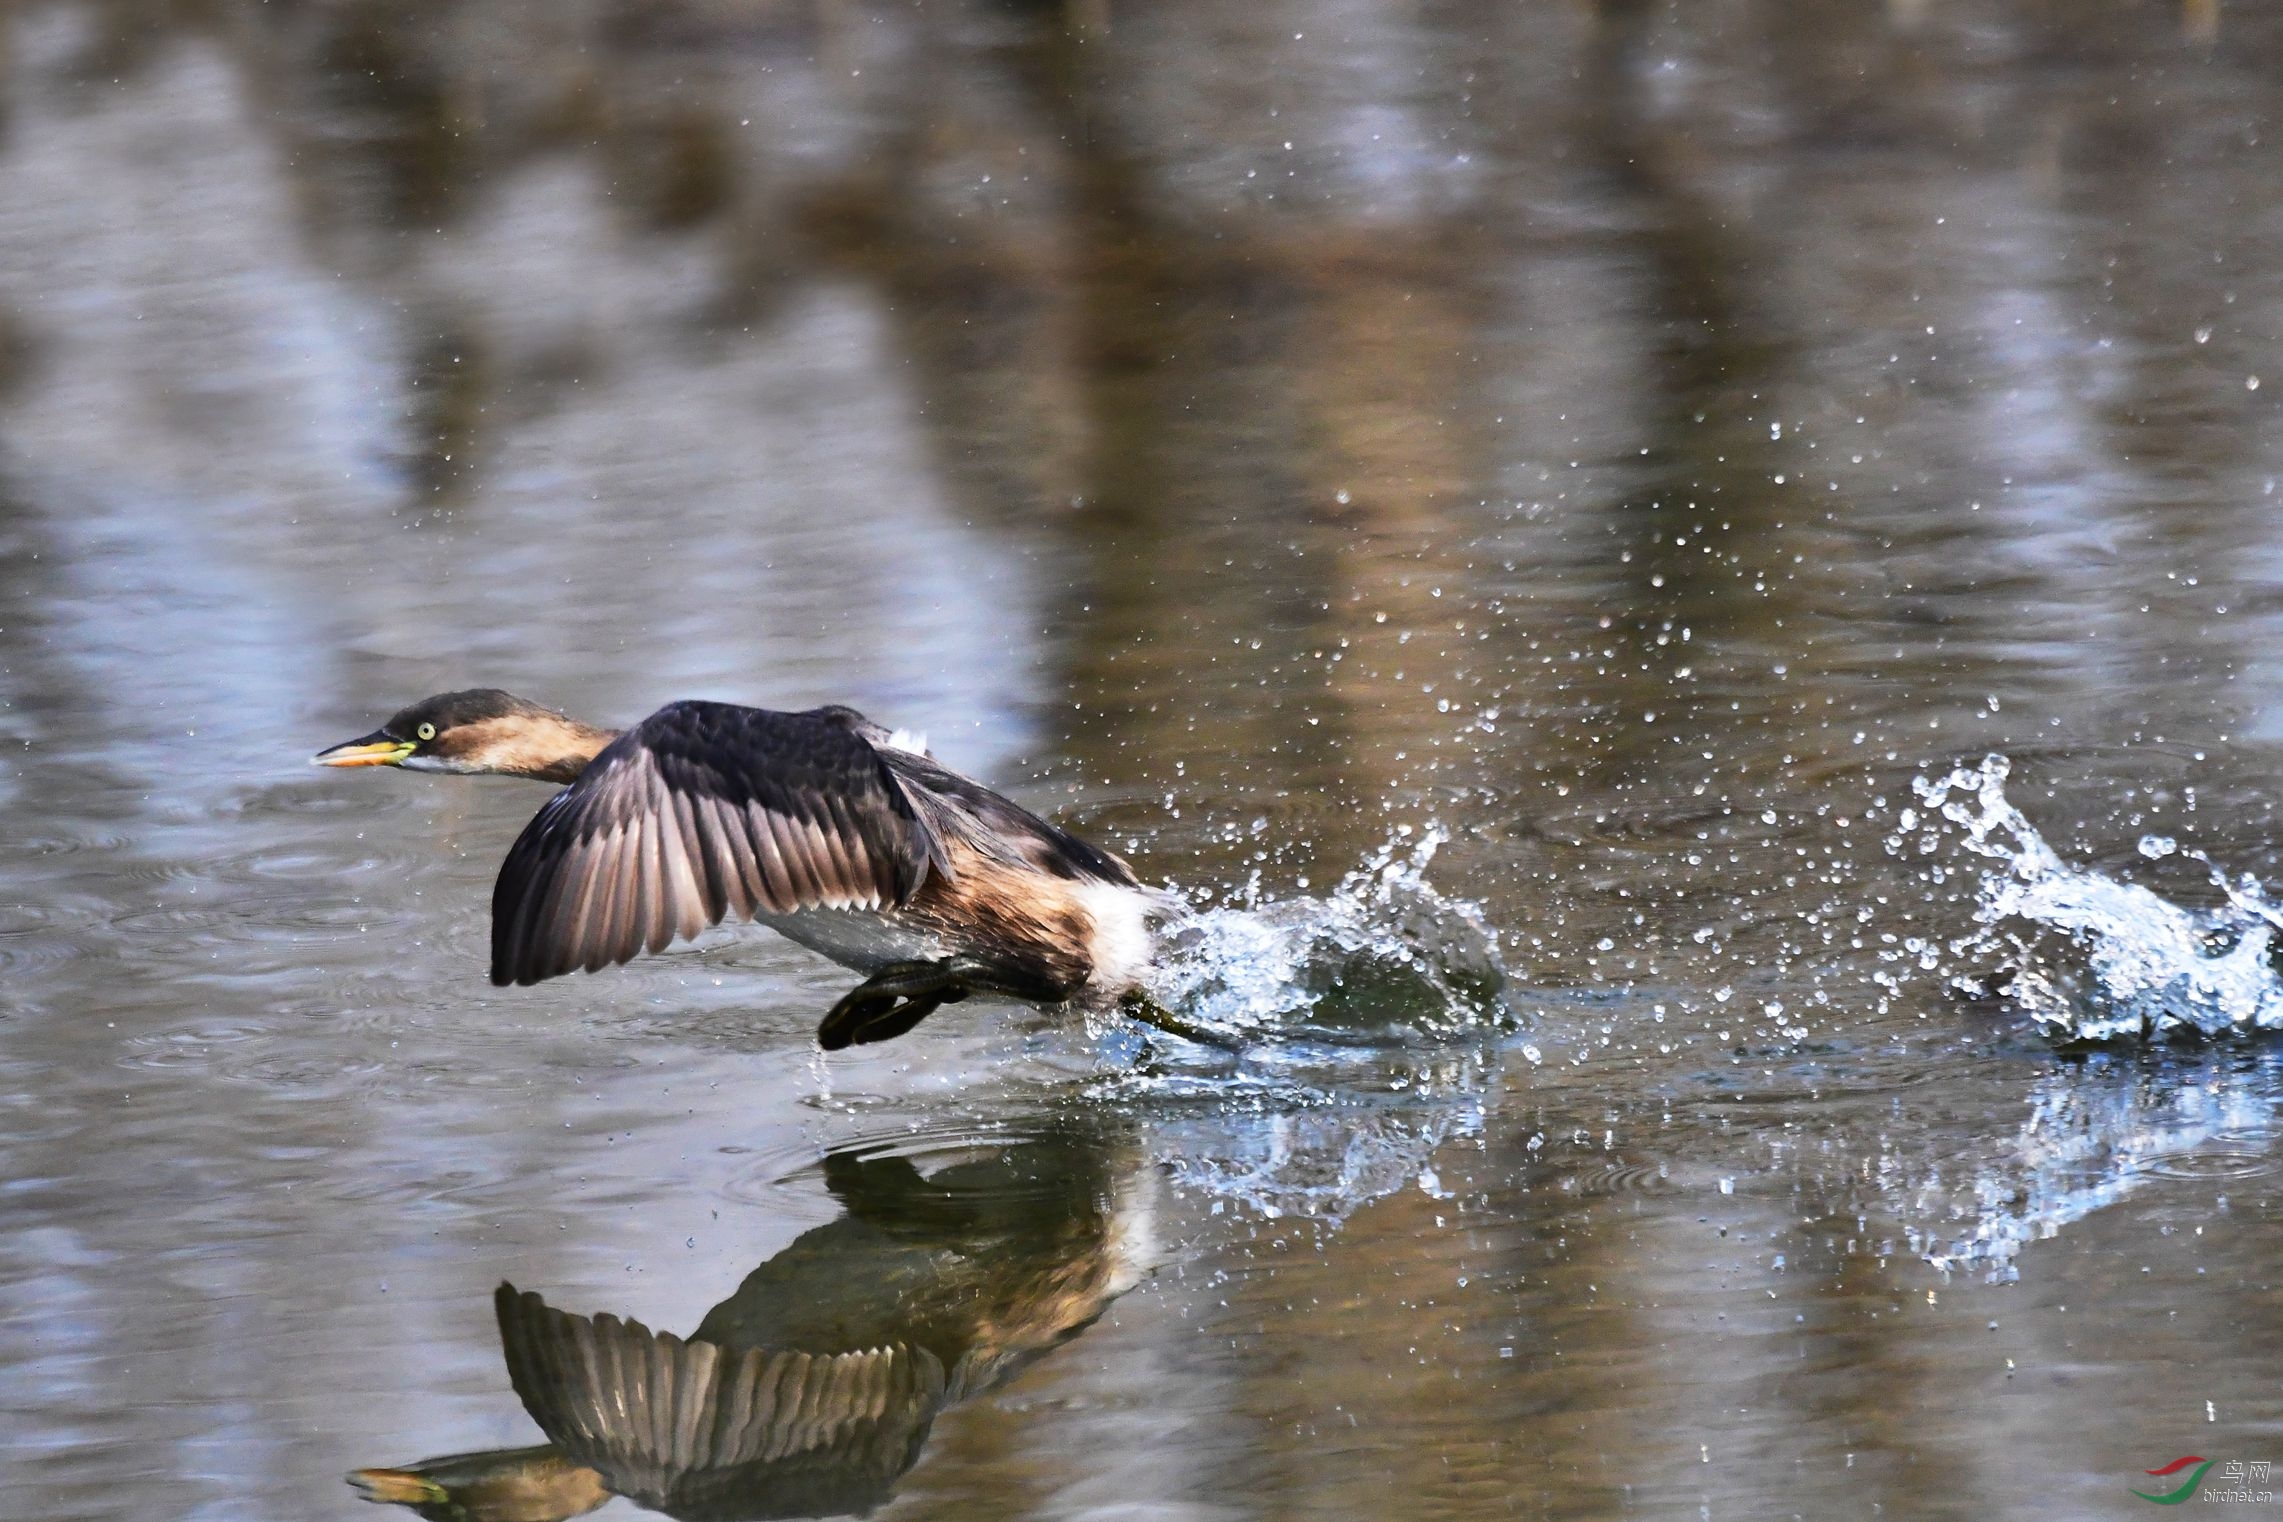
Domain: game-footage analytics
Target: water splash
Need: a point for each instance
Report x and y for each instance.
(2089, 957)
(1382, 971)
(1383, 951)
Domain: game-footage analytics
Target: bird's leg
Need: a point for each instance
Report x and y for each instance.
(871, 1011)
(983, 977)
(902, 994)
(1137, 1005)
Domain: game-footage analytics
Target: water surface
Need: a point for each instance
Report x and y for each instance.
(1504, 505)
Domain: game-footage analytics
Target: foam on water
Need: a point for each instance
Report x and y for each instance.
(2091, 958)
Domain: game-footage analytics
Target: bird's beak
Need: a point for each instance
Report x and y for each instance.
(376, 749)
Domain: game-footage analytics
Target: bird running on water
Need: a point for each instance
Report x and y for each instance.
(822, 825)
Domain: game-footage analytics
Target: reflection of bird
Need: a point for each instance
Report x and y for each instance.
(822, 825)
(810, 1390)
(985, 1264)
(510, 1485)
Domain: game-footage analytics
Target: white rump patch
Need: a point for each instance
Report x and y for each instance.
(910, 741)
(1123, 945)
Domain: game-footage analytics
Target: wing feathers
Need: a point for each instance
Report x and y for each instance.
(614, 881)
(709, 866)
(586, 893)
(800, 883)
(701, 811)
(641, 873)
(862, 877)
(777, 893)
(727, 825)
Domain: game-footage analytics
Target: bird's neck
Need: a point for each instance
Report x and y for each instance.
(552, 749)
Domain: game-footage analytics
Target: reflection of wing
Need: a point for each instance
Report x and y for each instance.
(699, 1432)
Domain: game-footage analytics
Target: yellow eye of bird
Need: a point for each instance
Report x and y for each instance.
(426, 731)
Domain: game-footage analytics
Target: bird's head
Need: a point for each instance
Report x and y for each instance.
(481, 730)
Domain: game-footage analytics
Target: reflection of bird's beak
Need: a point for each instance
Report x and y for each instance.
(376, 749)
(404, 1487)
(499, 1485)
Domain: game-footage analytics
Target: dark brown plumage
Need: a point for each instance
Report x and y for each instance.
(701, 811)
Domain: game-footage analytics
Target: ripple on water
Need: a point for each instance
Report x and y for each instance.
(36, 937)
(1804, 1086)
(182, 1046)
(321, 795)
(259, 1055)
(746, 1025)
(1644, 825)
(297, 916)
(84, 838)
(767, 1176)
(2233, 1155)
(1622, 1178)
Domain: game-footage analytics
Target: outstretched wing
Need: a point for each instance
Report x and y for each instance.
(699, 811)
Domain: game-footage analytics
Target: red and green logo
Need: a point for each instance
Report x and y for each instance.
(2175, 1497)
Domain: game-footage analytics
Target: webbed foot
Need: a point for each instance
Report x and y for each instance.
(890, 1002)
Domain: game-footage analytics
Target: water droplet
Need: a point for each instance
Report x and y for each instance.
(2156, 847)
